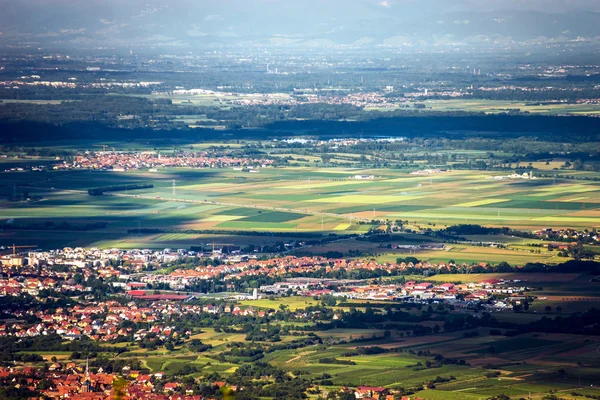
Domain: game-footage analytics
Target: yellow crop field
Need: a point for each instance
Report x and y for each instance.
(365, 199)
(222, 218)
(341, 227)
(424, 178)
(344, 171)
(541, 165)
(209, 336)
(482, 202)
(575, 199)
(558, 218)
(586, 213)
(202, 186)
(565, 189)
(305, 185)
(460, 217)
(293, 303)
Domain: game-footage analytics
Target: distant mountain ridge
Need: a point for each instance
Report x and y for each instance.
(203, 23)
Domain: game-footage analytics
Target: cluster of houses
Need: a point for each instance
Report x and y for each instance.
(574, 235)
(341, 142)
(494, 294)
(106, 262)
(115, 321)
(122, 161)
(283, 266)
(77, 382)
(104, 321)
(274, 267)
(524, 175)
(359, 99)
(301, 96)
(56, 270)
(376, 393)
(428, 171)
(37, 271)
(32, 285)
(35, 80)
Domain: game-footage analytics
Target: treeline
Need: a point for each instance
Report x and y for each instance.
(536, 97)
(571, 266)
(457, 127)
(459, 231)
(332, 360)
(32, 131)
(462, 126)
(118, 188)
(587, 323)
(10, 346)
(52, 226)
(239, 233)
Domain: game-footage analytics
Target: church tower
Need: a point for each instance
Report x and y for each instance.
(86, 387)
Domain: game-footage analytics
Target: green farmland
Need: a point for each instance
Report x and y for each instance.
(294, 199)
(501, 106)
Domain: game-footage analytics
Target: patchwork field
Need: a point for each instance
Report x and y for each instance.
(294, 199)
(474, 254)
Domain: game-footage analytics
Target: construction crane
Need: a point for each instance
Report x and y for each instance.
(15, 247)
(106, 147)
(219, 244)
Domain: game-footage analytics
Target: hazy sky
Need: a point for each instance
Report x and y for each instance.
(488, 5)
(339, 21)
(426, 5)
(538, 5)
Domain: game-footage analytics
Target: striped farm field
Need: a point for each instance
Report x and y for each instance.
(566, 189)
(175, 236)
(318, 185)
(342, 227)
(364, 199)
(203, 186)
(282, 200)
(529, 277)
(584, 220)
(483, 202)
(574, 199)
(222, 218)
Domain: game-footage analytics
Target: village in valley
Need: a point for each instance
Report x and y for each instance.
(146, 306)
(299, 200)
